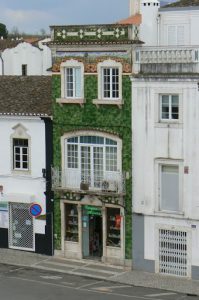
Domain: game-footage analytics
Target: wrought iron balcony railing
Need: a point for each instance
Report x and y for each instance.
(111, 183)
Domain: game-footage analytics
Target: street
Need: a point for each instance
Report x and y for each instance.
(33, 284)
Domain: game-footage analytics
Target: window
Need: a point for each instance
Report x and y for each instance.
(20, 154)
(72, 80)
(113, 227)
(169, 188)
(176, 35)
(109, 82)
(169, 107)
(94, 160)
(24, 70)
(71, 223)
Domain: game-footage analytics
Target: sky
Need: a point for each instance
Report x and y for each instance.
(31, 16)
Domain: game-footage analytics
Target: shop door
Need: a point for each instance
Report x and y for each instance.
(21, 234)
(92, 232)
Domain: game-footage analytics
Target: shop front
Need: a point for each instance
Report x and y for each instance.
(93, 229)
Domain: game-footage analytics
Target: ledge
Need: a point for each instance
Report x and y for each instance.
(70, 101)
(98, 102)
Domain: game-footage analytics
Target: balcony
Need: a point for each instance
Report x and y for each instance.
(113, 183)
(176, 59)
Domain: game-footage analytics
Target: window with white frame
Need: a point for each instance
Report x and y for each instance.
(92, 159)
(110, 80)
(169, 107)
(169, 187)
(20, 154)
(72, 83)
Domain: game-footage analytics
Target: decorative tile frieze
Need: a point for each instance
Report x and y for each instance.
(91, 32)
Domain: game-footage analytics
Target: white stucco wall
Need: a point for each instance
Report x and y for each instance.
(38, 60)
(188, 18)
(153, 142)
(26, 183)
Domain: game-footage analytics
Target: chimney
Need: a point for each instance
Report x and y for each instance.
(134, 7)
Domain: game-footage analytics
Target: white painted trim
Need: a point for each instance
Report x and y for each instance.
(71, 64)
(158, 164)
(109, 63)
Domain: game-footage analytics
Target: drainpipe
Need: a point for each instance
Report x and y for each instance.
(2, 63)
(158, 30)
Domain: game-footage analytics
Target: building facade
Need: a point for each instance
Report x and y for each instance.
(165, 140)
(23, 58)
(92, 141)
(26, 209)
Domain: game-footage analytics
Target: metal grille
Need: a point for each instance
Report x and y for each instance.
(21, 235)
(173, 252)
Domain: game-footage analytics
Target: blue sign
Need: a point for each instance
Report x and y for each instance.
(35, 210)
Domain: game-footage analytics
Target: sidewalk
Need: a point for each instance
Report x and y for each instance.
(97, 270)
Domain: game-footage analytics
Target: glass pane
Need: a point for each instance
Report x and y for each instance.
(69, 82)
(98, 166)
(169, 188)
(175, 107)
(71, 223)
(92, 140)
(111, 159)
(113, 227)
(85, 165)
(110, 142)
(78, 82)
(165, 107)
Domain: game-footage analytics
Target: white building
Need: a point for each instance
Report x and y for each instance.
(25, 58)
(26, 156)
(165, 120)
(175, 24)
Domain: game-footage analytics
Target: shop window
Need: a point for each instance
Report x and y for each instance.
(113, 227)
(71, 223)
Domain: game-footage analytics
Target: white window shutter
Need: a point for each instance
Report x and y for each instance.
(172, 35)
(180, 35)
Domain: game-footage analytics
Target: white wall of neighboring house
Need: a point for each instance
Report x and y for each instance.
(37, 59)
(31, 185)
(156, 142)
(182, 24)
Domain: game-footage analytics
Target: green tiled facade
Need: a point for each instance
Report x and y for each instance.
(107, 118)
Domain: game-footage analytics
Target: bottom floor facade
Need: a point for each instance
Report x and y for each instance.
(20, 229)
(93, 229)
(166, 245)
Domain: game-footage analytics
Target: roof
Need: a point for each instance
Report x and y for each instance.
(8, 43)
(25, 95)
(132, 20)
(183, 3)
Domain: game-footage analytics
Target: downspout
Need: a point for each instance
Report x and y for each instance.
(2, 63)
(158, 30)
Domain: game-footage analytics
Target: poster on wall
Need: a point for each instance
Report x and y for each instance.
(4, 220)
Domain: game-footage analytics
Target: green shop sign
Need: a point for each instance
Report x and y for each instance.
(93, 210)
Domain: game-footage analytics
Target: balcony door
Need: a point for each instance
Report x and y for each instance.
(94, 160)
(92, 166)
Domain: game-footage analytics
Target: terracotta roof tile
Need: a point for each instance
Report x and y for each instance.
(134, 20)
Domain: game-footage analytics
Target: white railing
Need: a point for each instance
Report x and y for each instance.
(111, 182)
(165, 55)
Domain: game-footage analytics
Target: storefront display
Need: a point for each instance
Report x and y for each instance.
(113, 227)
(71, 217)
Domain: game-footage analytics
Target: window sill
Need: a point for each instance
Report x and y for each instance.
(169, 213)
(70, 101)
(168, 124)
(118, 102)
